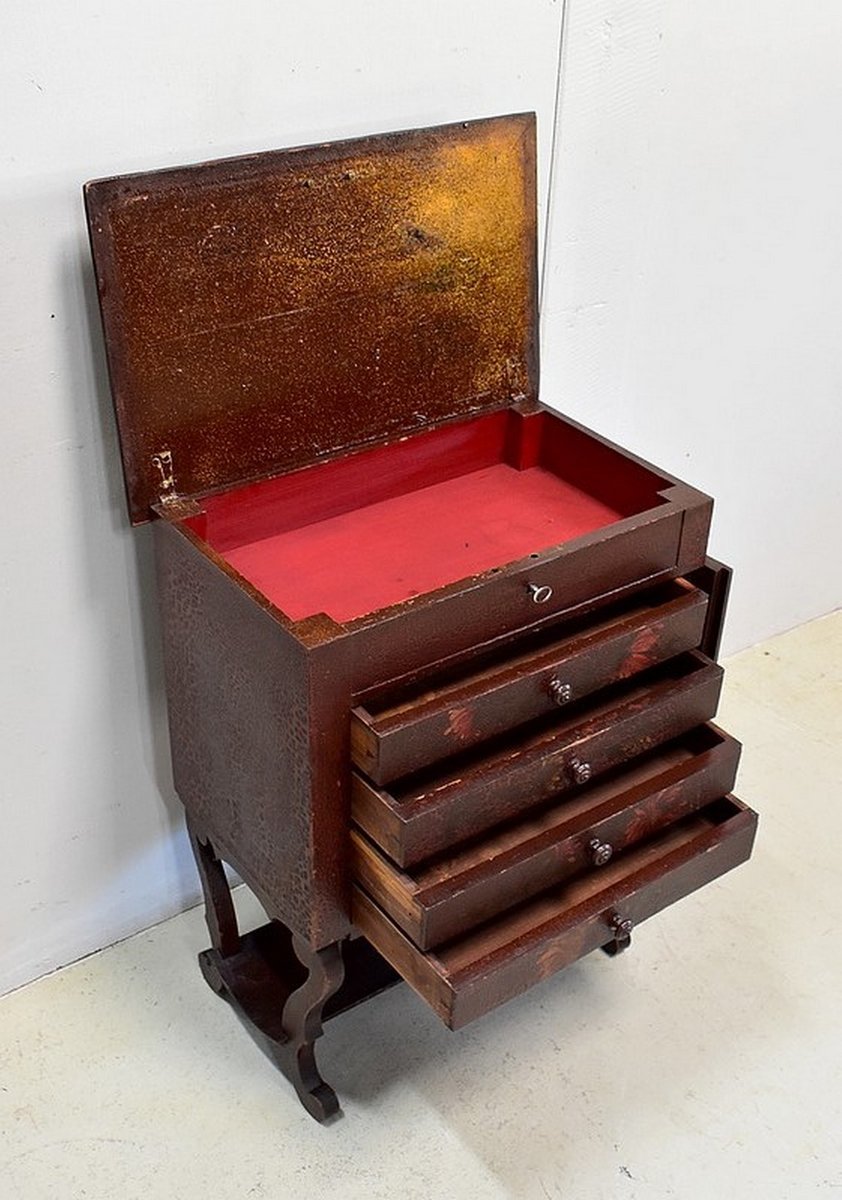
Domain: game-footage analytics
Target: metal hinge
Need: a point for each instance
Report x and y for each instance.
(513, 375)
(163, 461)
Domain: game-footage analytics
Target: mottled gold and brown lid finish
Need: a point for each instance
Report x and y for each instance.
(261, 312)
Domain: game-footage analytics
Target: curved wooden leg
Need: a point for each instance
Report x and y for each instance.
(302, 1024)
(219, 906)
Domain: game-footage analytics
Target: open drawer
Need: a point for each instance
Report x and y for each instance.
(395, 735)
(449, 896)
(431, 812)
(467, 978)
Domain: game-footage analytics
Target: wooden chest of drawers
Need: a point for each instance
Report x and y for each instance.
(440, 662)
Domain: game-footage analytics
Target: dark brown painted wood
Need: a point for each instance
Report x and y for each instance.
(715, 579)
(425, 815)
(471, 976)
(280, 987)
(639, 550)
(412, 731)
(449, 896)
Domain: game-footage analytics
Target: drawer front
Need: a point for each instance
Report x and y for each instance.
(404, 736)
(624, 556)
(471, 976)
(584, 833)
(425, 818)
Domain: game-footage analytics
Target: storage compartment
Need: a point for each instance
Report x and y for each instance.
(436, 809)
(357, 534)
(475, 974)
(401, 731)
(450, 895)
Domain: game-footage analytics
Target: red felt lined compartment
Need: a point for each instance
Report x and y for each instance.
(353, 535)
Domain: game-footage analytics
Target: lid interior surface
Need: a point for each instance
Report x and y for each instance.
(263, 312)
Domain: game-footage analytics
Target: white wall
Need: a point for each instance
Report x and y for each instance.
(689, 306)
(92, 845)
(693, 304)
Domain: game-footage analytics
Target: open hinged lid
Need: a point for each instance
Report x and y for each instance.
(261, 312)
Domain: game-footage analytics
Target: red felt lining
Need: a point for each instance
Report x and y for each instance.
(338, 485)
(358, 533)
(379, 555)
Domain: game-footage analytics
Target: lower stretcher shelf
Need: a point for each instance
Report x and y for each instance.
(468, 977)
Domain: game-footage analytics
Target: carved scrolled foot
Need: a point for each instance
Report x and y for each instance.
(282, 989)
(210, 971)
(302, 1026)
(278, 984)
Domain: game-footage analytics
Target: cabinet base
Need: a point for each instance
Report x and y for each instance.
(279, 986)
(282, 993)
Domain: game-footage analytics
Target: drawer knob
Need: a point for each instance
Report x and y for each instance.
(561, 693)
(621, 927)
(540, 593)
(601, 852)
(581, 771)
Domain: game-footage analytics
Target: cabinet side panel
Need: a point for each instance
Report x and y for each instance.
(239, 694)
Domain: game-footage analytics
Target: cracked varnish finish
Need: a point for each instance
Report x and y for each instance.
(293, 308)
(256, 735)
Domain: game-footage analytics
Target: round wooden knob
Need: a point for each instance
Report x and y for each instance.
(601, 852)
(581, 771)
(561, 693)
(621, 930)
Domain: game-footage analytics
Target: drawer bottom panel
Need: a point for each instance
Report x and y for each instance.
(469, 977)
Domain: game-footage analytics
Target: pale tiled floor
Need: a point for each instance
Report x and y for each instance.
(706, 1062)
